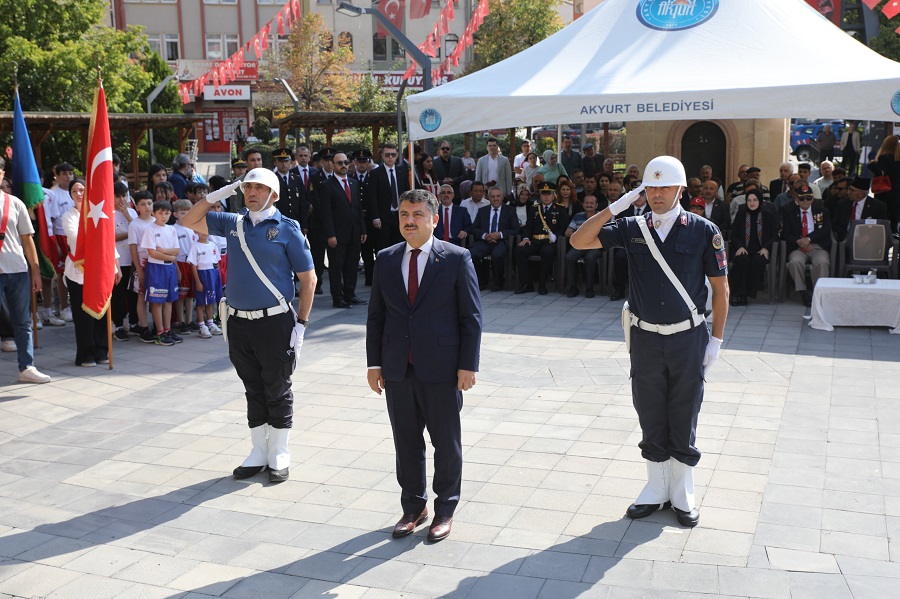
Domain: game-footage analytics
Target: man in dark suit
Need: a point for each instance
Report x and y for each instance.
(859, 206)
(364, 166)
(806, 227)
(494, 225)
(423, 340)
(781, 184)
(344, 231)
(383, 188)
(716, 210)
(448, 168)
(296, 203)
(458, 226)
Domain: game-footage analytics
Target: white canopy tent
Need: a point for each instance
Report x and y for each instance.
(650, 60)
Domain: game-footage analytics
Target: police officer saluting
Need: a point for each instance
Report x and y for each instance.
(670, 344)
(264, 333)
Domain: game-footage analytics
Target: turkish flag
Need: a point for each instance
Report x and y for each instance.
(279, 20)
(95, 249)
(891, 9)
(295, 7)
(393, 10)
(419, 9)
(448, 10)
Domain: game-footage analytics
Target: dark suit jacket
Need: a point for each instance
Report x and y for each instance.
(459, 221)
(442, 329)
(508, 223)
(775, 188)
(378, 190)
(456, 170)
(292, 201)
(770, 225)
(873, 209)
(792, 228)
(721, 215)
(340, 218)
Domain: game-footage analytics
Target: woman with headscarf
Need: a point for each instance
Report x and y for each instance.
(552, 169)
(753, 233)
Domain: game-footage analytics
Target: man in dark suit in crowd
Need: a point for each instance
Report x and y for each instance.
(383, 188)
(448, 168)
(716, 210)
(858, 207)
(806, 227)
(458, 226)
(344, 231)
(781, 184)
(494, 226)
(423, 341)
(296, 203)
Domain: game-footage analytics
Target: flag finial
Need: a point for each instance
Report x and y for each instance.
(99, 73)
(15, 67)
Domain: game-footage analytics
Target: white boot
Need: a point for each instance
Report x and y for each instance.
(259, 454)
(681, 486)
(279, 454)
(655, 494)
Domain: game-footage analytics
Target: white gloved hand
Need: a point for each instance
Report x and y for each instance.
(552, 237)
(712, 352)
(226, 192)
(625, 201)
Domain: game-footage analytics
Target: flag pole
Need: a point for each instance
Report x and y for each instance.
(109, 339)
(34, 329)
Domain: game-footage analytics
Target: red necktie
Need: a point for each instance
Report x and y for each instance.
(446, 223)
(805, 224)
(347, 191)
(412, 285)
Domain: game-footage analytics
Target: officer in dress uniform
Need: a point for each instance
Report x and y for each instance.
(263, 336)
(546, 222)
(294, 200)
(670, 340)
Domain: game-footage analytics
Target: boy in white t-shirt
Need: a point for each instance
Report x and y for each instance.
(182, 313)
(204, 260)
(136, 228)
(161, 274)
(223, 248)
(123, 300)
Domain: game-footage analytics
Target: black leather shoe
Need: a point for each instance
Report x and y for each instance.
(643, 510)
(242, 472)
(340, 304)
(278, 476)
(542, 289)
(356, 301)
(524, 289)
(589, 293)
(689, 519)
(572, 293)
(616, 295)
(407, 524)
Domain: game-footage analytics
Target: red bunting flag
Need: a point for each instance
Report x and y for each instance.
(393, 10)
(215, 79)
(295, 8)
(419, 9)
(264, 35)
(410, 72)
(448, 10)
(95, 249)
(891, 9)
(871, 3)
(279, 23)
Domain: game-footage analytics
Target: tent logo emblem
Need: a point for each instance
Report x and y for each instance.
(675, 15)
(895, 102)
(430, 119)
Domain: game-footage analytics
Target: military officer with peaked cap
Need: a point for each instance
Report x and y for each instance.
(669, 335)
(546, 222)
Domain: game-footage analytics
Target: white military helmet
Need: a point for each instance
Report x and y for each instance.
(663, 171)
(263, 176)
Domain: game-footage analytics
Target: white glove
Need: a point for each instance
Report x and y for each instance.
(712, 352)
(552, 237)
(625, 201)
(226, 192)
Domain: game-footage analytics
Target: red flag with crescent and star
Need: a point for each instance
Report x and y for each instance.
(394, 11)
(95, 250)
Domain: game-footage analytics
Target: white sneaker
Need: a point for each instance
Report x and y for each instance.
(51, 319)
(33, 375)
(67, 314)
(204, 332)
(8, 345)
(40, 323)
(214, 329)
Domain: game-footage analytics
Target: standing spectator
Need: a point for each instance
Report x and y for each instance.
(520, 159)
(124, 300)
(156, 174)
(468, 161)
(182, 174)
(238, 169)
(567, 197)
(552, 169)
(61, 201)
(382, 198)
(253, 158)
(494, 169)
(449, 169)
(291, 199)
(753, 233)
(476, 201)
(570, 159)
(826, 167)
(807, 231)
(591, 257)
(530, 168)
(887, 163)
(136, 229)
(591, 163)
(17, 256)
(850, 148)
(706, 174)
(425, 176)
(494, 224)
(716, 210)
(826, 142)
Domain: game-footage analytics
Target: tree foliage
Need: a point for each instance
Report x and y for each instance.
(511, 27)
(887, 43)
(370, 96)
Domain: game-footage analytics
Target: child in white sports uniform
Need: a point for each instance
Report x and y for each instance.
(204, 261)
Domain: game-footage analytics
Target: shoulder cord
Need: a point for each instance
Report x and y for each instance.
(645, 231)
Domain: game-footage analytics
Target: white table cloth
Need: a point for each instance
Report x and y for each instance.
(842, 302)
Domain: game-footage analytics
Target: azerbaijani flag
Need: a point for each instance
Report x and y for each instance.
(95, 249)
(27, 186)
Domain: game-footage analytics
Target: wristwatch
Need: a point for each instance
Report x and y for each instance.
(305, 323)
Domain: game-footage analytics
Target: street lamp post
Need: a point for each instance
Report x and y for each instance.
(153, 95)
(296, 102)
(348, 9)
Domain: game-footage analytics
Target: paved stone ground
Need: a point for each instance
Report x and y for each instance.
(116, 484)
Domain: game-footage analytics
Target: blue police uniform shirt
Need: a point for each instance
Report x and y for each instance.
(280, 250)
(694, 249)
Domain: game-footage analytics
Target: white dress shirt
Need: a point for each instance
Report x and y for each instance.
(421, 261)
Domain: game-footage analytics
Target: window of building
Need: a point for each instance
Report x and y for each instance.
(171, 47)
(397, 50)
(169, 1)
(214, 46)
(153, 40)
(265, 1)
(222, 2)
(231, 44)
(345, 40)
(379, 48)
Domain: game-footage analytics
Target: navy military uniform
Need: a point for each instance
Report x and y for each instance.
(542, 220)
(292, 199)
(259, 345)
(667, 387)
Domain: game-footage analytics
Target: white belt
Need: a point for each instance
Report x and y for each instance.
(255, 314)
(666, 329)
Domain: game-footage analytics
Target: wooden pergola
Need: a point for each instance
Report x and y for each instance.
(42, 124)
(336, 121)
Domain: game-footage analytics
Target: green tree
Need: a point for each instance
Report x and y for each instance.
(887, 43)
(511, 27)
(370, 96)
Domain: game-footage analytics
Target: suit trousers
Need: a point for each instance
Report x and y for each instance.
(591, 263)
(497, 251)
(667, 391)
(91, 342)
(546, 250)
(124, 300)
(343, 261)
(796, 265)
(317, 245)
(263, 358)
(746, 273)
(414, 406)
